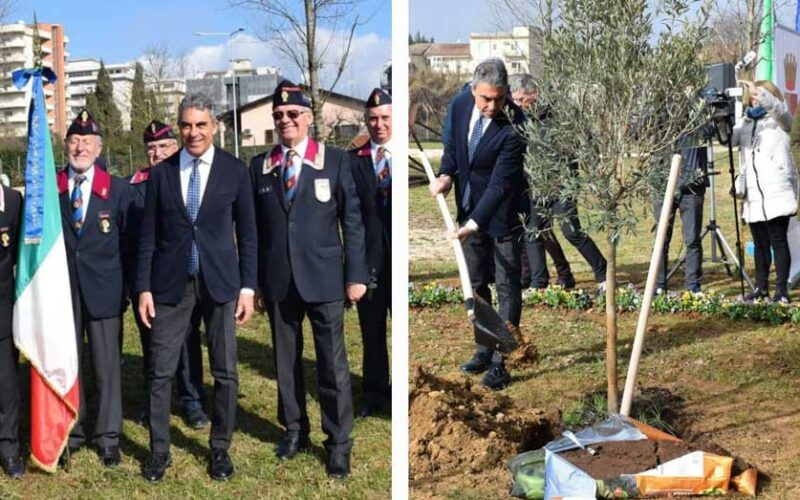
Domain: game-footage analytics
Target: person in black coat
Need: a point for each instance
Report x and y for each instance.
(372, 173)
(483, 155)
(160, 143)
(10, 218)
(197, 252)
(304, 194)
(93, 208)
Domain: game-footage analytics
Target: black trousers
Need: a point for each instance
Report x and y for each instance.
(170, 329)
(691, 207)
(189, 375)
(333, 372)
(571, 227)
(102, 336)
(373, 311)
(534, 264)
(504, 272)
(772, 235)
(9, 393)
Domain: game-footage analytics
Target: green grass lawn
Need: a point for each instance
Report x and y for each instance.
(258, 472)
(737, 379)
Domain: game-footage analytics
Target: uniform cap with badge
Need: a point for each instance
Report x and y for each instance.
(156, 131)
(84, 124)
(378, 97)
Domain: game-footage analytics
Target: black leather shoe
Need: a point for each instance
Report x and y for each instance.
(221, 467)
(155, 467)
(496, 377)
(14, 467)
(109, 456)
(196, 419)
(566, 284)
(478, 364)
(371, 407)
(338, 465)
(757, 294)
(290, 445)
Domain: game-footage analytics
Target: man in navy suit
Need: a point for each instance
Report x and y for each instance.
(93, 207)
(483, 155)
(189, 261)
(372, 173)
(10, 214)
(160, 142)
(304, 195)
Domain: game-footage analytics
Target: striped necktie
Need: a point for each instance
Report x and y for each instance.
(192, 208)
(76, 200)
(384, 174)
(290, 175)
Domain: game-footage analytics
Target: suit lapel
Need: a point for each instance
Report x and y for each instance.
(174, 180)
(216, 176)
(487, 136)
(66, 209)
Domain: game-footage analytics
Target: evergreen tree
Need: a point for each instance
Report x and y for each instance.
(109, 118)
(140, 111)
(91, 105)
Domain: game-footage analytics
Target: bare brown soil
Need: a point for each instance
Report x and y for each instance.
(615, 458)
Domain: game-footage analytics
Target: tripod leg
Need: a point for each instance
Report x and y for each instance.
(733, 259)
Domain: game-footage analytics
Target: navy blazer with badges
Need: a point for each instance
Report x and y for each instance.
(302, 242)
(376, 214)
(95, 259)
(10, 222)
(165, 234)
(496, 176)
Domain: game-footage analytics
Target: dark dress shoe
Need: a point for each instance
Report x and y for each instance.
(221, 465)
(496, 377)
(478, 364)
(196, 419)
(290, 445)
(109, 456)
(155, 467)
(14, 467)
(338, 465)
(566, 284)
(371, 407)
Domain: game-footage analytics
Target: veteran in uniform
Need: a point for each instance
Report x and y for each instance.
(372, 173)
(10, 214)
(93, 208)
(304, 194)
(160, 142)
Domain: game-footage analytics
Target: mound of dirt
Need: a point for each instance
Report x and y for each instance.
(459, 428)
(526, 354)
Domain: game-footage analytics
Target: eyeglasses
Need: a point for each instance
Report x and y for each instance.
(292, 114)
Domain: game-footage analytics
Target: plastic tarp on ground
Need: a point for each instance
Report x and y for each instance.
(543, 474)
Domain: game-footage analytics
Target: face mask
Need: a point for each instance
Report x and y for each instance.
(756, 112)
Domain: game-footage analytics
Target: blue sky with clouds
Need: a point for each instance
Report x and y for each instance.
(120, 30)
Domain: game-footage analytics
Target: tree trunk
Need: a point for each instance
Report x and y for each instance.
(611, 326)
(313, 69)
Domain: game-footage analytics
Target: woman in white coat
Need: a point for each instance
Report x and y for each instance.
(767, 182)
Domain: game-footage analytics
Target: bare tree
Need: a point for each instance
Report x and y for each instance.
(6, 6)
(736, 28)
(162, 64)
(313, 35)
(542, 14)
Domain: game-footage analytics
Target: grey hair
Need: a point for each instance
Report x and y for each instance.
(196, 101)
(491, 71)
(523, 82)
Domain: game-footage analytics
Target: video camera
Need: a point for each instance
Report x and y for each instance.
(722, 103)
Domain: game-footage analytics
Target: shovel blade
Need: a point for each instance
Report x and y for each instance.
(490, 329)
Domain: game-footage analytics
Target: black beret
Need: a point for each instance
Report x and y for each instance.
(378, 97)
(84, 124)
(156, 131)
(288, 93)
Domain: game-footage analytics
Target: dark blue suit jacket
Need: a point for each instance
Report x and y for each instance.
(496, 178)
(10, 222)
(302, 242)
(95, 259)
(166, 232)
(376, 215)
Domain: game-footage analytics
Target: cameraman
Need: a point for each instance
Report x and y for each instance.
(767, 182)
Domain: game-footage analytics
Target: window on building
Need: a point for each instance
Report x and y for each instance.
(269, 137)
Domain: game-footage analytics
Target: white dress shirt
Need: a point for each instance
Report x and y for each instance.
(86, 187)
(300, 151)
(476, 115)
(204, 169)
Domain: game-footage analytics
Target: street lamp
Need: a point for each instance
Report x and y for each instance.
(233, 81)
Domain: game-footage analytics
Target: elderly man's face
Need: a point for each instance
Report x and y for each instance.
(489, 99)
(82, 151)
(158, 151)
(524, 99)
(292, 122)
(197, 130)
(379, 123)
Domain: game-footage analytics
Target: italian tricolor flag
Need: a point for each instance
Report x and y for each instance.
(44, 328)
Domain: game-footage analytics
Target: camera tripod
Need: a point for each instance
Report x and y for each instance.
(727, 257)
